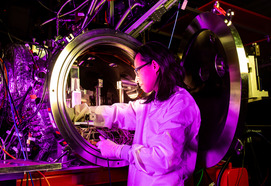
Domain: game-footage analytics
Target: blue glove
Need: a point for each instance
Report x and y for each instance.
(108, 148)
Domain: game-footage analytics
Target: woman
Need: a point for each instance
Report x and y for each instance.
(166, 123)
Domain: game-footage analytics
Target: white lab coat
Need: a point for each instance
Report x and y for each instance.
(165, 143)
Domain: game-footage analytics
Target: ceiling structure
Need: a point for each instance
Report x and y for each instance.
(251, 25)
(252, 19)
(261, 6)
(248, 12)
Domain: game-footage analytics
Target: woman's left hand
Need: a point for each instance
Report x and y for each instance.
(108, 148)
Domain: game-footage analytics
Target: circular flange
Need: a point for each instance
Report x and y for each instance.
(119, 44)
(212, 56)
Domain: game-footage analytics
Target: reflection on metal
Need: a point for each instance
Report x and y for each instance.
(121, 93)
(255, 93)
(212, 58)
(145, 21)
(126, 14)
(106, 47)
(89, 12)
(130, 87)
(20, 166)
(220, 66)
(98, 92)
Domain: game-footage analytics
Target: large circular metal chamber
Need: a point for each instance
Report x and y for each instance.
(97, 55)
(212, 54)
(214, 58)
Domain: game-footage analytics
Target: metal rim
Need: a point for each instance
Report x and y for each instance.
(217, 132)
(59, 73)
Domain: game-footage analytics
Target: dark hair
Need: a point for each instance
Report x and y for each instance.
(170, 72)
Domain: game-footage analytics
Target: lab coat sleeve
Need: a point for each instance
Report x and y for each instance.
(166, 149)
(123, 115)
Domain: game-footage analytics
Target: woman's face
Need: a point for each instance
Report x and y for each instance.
(147, 75)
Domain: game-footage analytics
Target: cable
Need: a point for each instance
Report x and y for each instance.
(12, 106)
(130, 8)
(96, 12)
(175, 22)
(4, 154)
(21, 181)
(89, 12)
(7, 153)
(26, 179)
(66, 151)
(207, 174)
(57, 16)
(83, 4)
(109, 172)
(21, 104)
(44, 178)
(13, 111)
(5, 69)
(243, 165)
(41, 3)
(222, 170)
(201, 176)
(256, 167)
(15, 159)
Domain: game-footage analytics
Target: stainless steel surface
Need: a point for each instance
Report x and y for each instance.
(17, 166)
(144, 22)
(15, 169)
(98, 92)
(213, 56)
(121, 92)
(126, 14)
(89, 13)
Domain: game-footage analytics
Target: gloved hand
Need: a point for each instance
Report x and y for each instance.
(108, 148)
